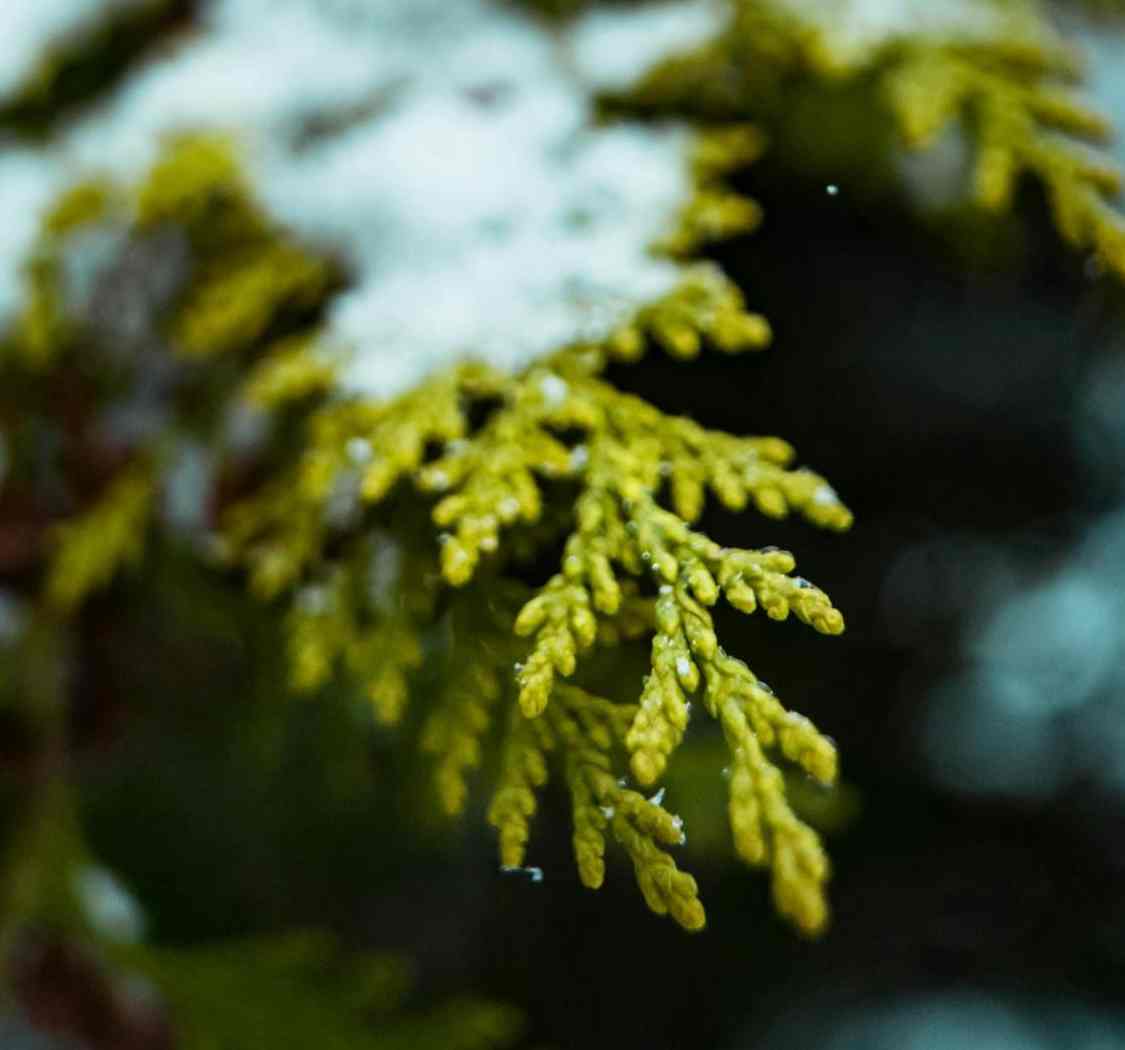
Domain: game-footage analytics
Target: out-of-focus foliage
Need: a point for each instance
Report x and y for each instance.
(997, 1021)
(997, 72)
(167, 398)
(300, 990)
(100, 326)
(78, 67)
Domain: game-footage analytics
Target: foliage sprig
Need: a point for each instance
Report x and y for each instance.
(504, 466)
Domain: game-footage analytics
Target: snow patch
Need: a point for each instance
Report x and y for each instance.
(445, 151)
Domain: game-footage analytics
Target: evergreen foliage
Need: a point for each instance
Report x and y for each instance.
(361, 598)
(997, 72)
(495, 533)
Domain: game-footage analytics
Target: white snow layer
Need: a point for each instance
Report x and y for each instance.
(28, 181)
(613, 47)
(445, 148)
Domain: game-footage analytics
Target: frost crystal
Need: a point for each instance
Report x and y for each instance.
(553, 389)
(534, 874)
(359, 450)
(579, 457)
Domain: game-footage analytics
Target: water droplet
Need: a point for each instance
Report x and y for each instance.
(683, 667)
(359, 450)
(13, 617)
(656, 799)
(765, 687)
(832, 189)
(608, 812)
(509, 507)
(802, 583)
(768, 550)
(646, 555)
(579, 457)
(553, 389)
(622, 782)
(112, 910)
(825, 494)
(313, 600)
(438, 479)
(725, 772)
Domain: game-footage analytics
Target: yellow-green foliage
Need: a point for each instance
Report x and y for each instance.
(817, 75)
(369, 613)
(91, 548)
(245, 274)
(507, 466)
(43, 328)
(290, 371)
(300, 990)
(242, 278)
(393, 531)
(365, 598)
(715, 211)
(628, 458)
(1025, 120)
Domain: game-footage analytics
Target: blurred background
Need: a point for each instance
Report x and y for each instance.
(964, 390)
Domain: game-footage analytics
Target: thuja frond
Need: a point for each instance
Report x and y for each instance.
(632, 450)
(392, 527)
(490, 482)
(1025, 119)
(588, 728)
(367, 615)
(494, 453)
(999, 72)
(627, 458)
